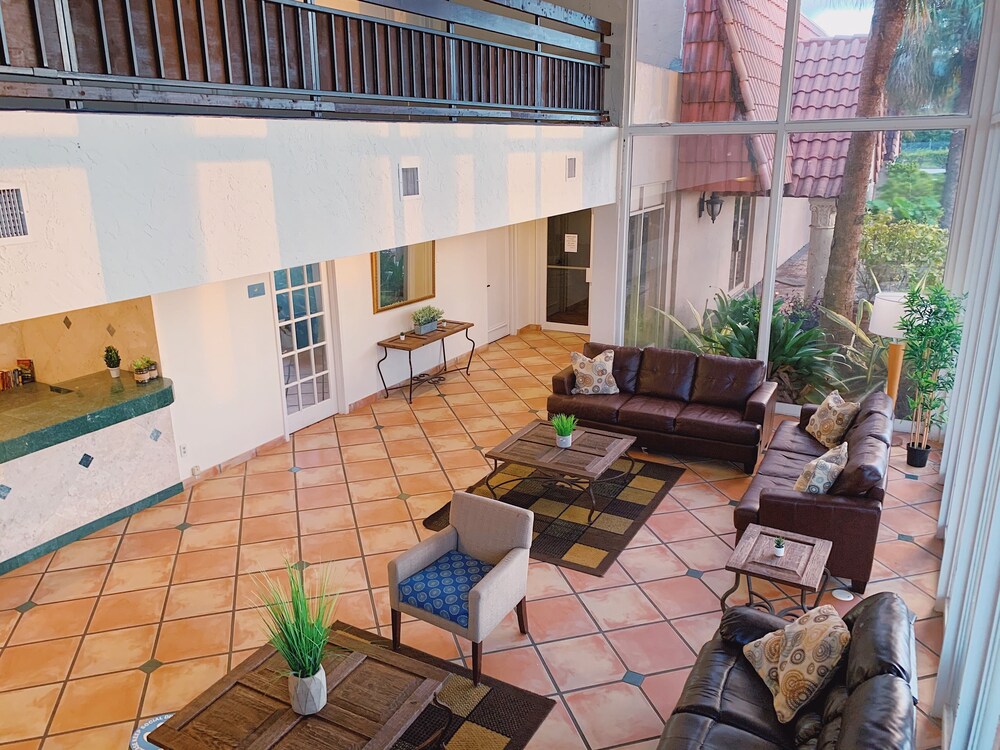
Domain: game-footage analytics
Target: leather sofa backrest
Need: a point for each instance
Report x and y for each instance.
(726, 381)
(874, 425)
(625, 368)
(867, 464)
(667, 373)
(875, 402)
(881, 640)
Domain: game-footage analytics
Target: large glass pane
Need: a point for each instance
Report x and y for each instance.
(568, 262)
(921, 58)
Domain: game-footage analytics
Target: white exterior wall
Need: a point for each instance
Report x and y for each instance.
(120, 206)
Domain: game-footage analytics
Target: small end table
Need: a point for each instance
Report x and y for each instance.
(803, 566)
(410, 342)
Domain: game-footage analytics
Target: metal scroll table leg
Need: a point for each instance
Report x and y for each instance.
(729, 593)
(379, 368)
(593, 502)
(444, 359)
(472, 351)
(409, 357)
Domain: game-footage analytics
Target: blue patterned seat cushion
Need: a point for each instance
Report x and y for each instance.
(442, 588)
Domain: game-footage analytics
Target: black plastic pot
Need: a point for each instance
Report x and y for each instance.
(916, 456)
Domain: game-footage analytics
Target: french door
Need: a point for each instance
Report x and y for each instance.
(303, 322)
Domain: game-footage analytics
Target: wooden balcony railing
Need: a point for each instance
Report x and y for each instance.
(537, 61)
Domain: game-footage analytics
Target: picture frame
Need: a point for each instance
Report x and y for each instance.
(403, 275)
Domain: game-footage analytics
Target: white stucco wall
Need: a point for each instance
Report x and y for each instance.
(120, 206)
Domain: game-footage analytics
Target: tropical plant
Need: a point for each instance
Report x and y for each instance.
(426, 314)
(564, 424)
(112, 358)
(899, 253)
(866, 356)
(932, 328)
(297, 621)
(799, 358)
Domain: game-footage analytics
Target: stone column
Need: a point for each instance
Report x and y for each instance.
(823, 215)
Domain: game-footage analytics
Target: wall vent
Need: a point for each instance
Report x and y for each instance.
(409, 182)
(12, 221)
(570, 167)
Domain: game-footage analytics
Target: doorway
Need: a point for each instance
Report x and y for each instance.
(567, 271)
(303, 327)
(498, 283)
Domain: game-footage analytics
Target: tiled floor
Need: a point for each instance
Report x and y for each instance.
(137, 619)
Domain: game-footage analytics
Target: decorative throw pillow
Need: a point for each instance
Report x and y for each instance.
(832, 419)
(796, 662)
(594, 376)
(819, 474)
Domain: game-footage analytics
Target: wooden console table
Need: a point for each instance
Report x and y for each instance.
(413, 341)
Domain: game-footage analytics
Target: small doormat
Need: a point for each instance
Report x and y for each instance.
(493, 716)
(562, 534)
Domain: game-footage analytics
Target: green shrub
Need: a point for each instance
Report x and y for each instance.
(895, 254)
(426, 314)
(909, 194)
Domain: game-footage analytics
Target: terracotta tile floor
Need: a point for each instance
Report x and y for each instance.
(142, 616)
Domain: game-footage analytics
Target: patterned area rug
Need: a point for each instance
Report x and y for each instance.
(563, 535)
(493, 716)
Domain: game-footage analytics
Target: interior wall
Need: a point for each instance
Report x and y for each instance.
(605, 307)
(62, 352)
(218, 345)
(529, 245)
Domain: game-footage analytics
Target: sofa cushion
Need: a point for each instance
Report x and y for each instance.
(687, 731)
(879, 713)
(872, 424)
(667, 373)
(646, 413)
(832, 419)
(626, 364)
(593, 375)
(790, 438)
(818, 475)
(787, 466)
(875, 402)
(602, 409)
(442, 588)
(717, 423)
(726, 381)
(867, 462)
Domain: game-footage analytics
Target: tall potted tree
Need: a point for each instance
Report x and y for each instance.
(932, 327)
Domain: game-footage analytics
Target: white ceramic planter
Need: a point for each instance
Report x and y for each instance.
(116, 372)
(564, 441)
(307, 694)
(779, 551)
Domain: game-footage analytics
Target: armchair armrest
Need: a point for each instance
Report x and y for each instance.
(743, 625)
(497, 593)
(806, 414)
(419, 557)
(563, 381)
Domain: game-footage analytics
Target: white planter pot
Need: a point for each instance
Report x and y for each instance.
(116, 372)
(307, 694)
(779, 551)
(564, 441)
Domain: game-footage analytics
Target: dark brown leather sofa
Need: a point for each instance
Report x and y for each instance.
(869, 704)
(678, 402)
(849, 515)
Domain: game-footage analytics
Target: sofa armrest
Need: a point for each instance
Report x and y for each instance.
(760, 409)
(806, 414)
(743, 625)
(563, 381)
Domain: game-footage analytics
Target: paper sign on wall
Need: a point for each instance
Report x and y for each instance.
(572, 241)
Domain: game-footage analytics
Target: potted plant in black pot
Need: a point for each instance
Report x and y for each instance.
(113, 361)
(932, 328)
(425, 319)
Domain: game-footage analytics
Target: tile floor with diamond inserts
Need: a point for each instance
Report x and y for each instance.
(138, 618)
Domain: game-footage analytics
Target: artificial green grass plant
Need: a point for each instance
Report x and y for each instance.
(564, 424)
(298, 622)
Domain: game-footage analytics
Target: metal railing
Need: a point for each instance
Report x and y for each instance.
(298, 59)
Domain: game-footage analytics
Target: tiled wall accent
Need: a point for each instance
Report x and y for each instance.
(68, 345)
(59, 489)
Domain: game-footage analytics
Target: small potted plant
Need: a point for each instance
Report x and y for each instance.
(298, 625)
(425, 319)
(779, 546)
(113, 361)
(932, 328)
(564, 424)
(144, 369)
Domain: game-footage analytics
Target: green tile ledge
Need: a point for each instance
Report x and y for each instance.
(40, 415)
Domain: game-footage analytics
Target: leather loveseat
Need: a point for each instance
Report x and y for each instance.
(869, 703)
(678, 402)
(849, 515)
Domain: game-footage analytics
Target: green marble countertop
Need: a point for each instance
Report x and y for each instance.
(40, 415)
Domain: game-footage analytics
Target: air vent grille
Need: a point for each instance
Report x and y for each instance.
(12, 222)
(570, 167)
(409, 181)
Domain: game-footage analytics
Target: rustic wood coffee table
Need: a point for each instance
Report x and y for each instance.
(374, 695)
(580, 466)
(803, 565)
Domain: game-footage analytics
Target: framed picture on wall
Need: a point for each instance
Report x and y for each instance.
(401, 275)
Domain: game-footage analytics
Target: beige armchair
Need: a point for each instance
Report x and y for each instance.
(468, 576)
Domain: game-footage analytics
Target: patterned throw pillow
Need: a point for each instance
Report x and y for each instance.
(819, 474)
(594, 376)
(796, 662)
(832, 419)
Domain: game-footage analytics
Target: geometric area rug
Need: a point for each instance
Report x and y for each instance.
(562, 534)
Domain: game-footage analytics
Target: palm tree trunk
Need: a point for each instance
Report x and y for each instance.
(970, 53)
(841, 280)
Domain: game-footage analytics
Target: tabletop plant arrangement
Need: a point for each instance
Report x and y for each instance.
(564, 424)
(113, 361)
(932, 328)
(144, 369)
(425, 319)
(779, 546)
(298, 624)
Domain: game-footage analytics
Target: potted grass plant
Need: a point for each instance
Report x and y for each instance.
(113, 361)
(779, 546)
(564, 424)
(298, 624)
(425, 319)
(932, 328)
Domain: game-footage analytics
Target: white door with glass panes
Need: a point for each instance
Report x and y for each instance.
(302, 317)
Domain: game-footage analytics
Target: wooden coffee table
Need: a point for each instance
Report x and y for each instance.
(374, 695)
(803, 565)
(580, 466)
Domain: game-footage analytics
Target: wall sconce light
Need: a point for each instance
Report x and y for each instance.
(713, 206)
